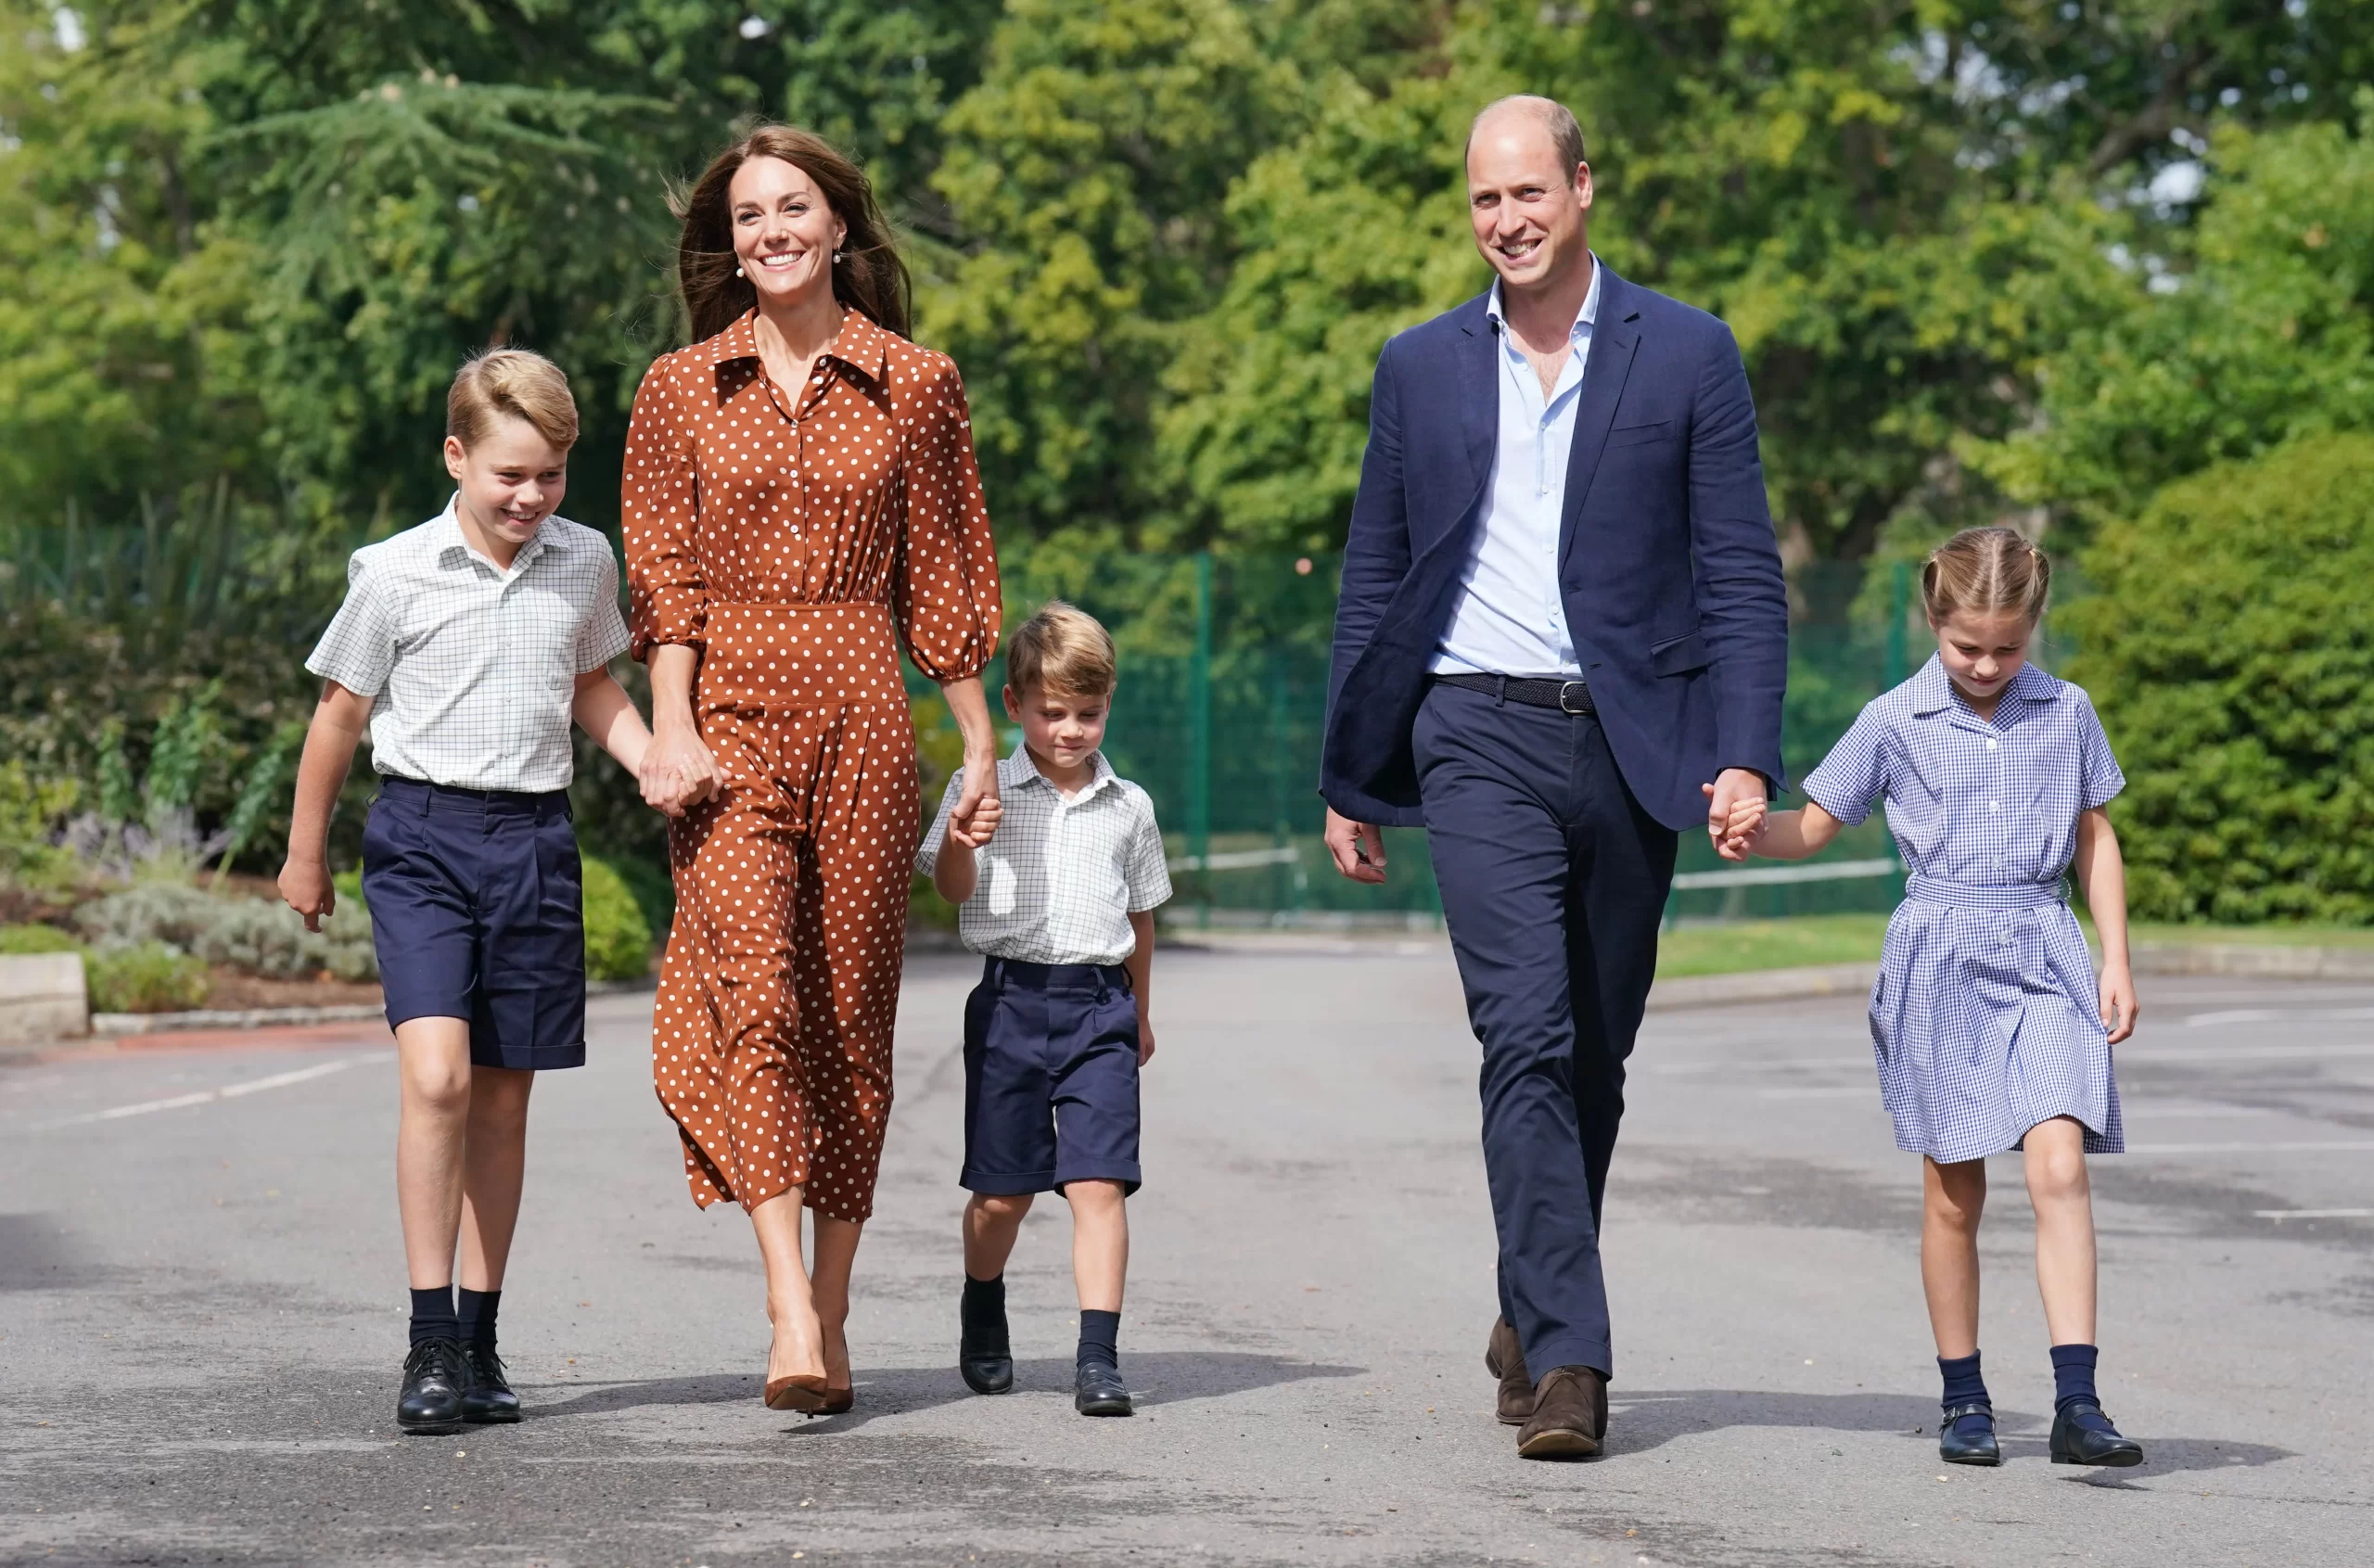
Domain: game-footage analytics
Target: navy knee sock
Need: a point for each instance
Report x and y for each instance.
(1100, 1339)
(432, 1315)
(1963, 1385)
(2073, 1380)
(475, 1311)
(982, 1312)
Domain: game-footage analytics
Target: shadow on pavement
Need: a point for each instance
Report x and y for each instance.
(1651, 1417)
(1157, 1377)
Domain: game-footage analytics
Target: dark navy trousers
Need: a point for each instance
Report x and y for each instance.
(1553, 882)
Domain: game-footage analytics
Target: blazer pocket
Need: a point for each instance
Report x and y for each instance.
(1681, 656)
(1634, 435)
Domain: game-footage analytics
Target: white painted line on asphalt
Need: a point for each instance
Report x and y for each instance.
(2280, 1015)
(2239, 1056)
(205, 1096)
(2336, 1146)
(2313, 1213)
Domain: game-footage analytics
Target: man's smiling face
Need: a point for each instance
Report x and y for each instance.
(1528, 210)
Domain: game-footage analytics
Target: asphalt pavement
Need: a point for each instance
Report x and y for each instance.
(201, 1310)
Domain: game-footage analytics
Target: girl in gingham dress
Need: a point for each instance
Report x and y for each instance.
(1991, 1028)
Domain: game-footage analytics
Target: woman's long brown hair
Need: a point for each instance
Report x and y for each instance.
(870, 276)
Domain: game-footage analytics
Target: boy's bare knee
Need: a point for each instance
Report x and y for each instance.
(500, 1094)
(1001, 1207)
(438, 1088)
(1097, 1196)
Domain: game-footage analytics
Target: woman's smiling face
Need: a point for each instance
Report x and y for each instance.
(785, 232)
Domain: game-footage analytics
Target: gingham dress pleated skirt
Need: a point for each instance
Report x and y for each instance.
(1984, 1024)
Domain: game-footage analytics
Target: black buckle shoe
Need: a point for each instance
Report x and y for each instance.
(434, 1378)
(1097, 1390)
(986, 1357)
(486, 1396)
(1957, 1445)
(2072, 1444)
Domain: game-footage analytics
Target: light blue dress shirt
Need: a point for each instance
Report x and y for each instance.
(1509, 618)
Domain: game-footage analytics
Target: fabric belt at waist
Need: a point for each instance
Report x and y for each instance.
(1004, 972)
(799, 655)
(1963, 895)
(419, 794)
(1533, 691)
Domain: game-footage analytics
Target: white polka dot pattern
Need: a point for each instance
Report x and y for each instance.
(799, 545)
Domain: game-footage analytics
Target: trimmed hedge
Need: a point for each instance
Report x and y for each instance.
(618, 939)
(2230, 650)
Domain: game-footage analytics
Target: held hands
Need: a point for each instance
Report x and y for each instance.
(678, 772)
(1735, 813)
(2118, 1003)
(973, 821)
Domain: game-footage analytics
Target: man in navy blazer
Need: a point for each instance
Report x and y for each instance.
(1563, 640)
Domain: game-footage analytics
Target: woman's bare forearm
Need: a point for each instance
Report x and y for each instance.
(674, 667)
(968, 703)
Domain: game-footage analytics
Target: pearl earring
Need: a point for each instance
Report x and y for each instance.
(837, 258)
(737, 270)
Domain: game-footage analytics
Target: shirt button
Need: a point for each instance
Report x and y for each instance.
(1990, 745)
(1995, 805)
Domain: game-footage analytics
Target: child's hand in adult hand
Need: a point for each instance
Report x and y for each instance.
(306, 887)
(678, 772)
(2118, 1002)
(974, 823)
(1735, 832)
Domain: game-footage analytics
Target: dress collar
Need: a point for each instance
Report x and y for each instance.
(1933, 689)
(859, 344)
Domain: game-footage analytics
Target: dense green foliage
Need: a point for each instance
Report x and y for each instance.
(2231, 650)
(618, 939)
(1983, 257)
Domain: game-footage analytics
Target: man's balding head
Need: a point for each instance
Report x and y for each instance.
(1524, 111)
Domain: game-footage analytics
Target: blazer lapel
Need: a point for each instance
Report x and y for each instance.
(1615, 336)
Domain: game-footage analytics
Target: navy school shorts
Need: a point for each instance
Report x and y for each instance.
(476, 911)
(1050, 1078)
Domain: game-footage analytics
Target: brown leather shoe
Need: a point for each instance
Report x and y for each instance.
(1569, 1415)
(1504, 1359)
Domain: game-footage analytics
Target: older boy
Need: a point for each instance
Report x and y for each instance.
(1061, 904)
(468, 645)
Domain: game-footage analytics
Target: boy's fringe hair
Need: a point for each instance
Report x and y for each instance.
(1985, 570)
(1062, 649)
(515, 382)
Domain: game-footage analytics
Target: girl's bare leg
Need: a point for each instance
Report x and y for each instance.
(835, 1254)
(1952, 1196)
(433, 1068)
(2063, 1197)
(495, 1162)
(799, 1346)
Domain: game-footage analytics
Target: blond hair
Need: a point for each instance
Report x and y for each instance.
(1985, 571)
(515, 382)
(1063, 648)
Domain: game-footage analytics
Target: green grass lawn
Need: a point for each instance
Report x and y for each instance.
(1855, 939)
(1770, 943)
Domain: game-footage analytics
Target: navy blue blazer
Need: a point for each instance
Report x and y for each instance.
(1666, 557)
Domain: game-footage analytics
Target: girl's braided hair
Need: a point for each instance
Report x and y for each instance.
(1985, 570)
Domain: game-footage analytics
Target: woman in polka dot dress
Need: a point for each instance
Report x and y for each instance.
(800, 498)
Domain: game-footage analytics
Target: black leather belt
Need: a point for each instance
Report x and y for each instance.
(1533, 691)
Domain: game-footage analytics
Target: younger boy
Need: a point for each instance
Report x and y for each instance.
(1061, 902)
(468, 645)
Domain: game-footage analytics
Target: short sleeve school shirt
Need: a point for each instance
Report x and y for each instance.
(1975, 802)
(475, 668)
(1060, 878)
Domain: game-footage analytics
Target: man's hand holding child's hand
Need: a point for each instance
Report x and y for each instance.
(1735, 838)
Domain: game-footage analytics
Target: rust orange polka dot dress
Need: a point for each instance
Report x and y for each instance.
(797, 537)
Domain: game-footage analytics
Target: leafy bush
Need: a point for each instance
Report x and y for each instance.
(617, 940)
(2231, 653)
(253, 935)
(29, 809)
(146, 977)
(36, 939)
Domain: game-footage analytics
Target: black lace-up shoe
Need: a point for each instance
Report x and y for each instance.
(486, 1394)
(1966, 1436)
(434, 1378)
(2079, 1440)
(1097, 1390)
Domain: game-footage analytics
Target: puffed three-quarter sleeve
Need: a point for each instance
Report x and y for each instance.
(659, 510)
(947, 602)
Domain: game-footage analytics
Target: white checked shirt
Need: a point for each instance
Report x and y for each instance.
(1060, 878)
(475, 668)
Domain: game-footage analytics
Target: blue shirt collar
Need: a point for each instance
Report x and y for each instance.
(1933, 689)
(1584, 321)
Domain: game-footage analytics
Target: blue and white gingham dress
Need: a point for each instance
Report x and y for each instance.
(1985, 1018)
